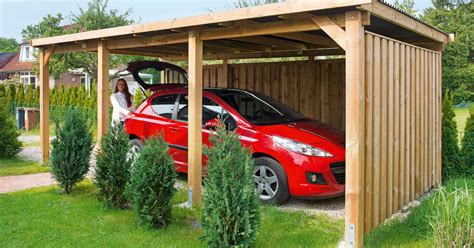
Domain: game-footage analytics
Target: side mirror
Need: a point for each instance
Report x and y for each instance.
(211, 124)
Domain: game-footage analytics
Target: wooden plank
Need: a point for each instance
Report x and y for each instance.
(439, 102)
(102, 90)
(427, 126)
(408, 124)
(325, 108)
(195, 118)
(377, 132)
(284, 91)
(396, 126)
(390, 123)
(250, 78)
(418, 98)
(355, 127)
(242, 77)
(369, 73)
(331, 28)
(384, 132)
(404, 148)
(317, 90)
(44, 104)
(414, 78)
(225, 73)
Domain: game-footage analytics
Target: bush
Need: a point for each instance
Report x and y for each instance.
(451, 218)
(151, 186)
(450, 148)
(71, 150)
(9, 144)
(113, 168)
(467, 151)
(230, 204)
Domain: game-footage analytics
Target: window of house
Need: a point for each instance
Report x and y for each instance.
(27, 78)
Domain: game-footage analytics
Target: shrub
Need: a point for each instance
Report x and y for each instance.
(9, 144)
(230, 204)
(113, 168)
(151, 186)
(467, 151)
(71, 150)
(450, 148)
(451, 218)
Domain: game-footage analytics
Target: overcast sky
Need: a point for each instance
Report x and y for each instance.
(17, 14)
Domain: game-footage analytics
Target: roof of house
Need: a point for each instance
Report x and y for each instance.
(5, 58)
(14, 65)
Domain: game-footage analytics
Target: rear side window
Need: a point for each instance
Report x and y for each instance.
(210, 110)
(164, 105)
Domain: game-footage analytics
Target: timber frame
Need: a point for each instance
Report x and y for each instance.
(365, 31)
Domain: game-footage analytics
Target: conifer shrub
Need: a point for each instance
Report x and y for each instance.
(449, 147)
(230, 204)
(112, 171)
(9, 143)
(467, 151)
(151, 185)
(71, 150)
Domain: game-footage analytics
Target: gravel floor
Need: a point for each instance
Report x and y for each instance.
(332, 207)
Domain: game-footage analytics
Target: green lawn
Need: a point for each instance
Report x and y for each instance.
(461, 117)
(43, 217)
(415, 230)
(17, 166)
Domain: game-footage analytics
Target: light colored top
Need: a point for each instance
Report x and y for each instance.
(120, 109)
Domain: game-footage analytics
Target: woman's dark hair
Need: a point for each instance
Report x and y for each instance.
(128, 96)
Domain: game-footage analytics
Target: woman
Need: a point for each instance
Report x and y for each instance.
(122, 102)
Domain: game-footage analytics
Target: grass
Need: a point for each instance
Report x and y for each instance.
(44, 217)
(17, 166)
(462, 114)
(415, 230)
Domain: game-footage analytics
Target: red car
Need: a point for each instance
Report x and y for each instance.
(294, 156)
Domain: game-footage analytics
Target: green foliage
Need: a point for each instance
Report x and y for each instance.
(231, 210)
(450, 148)
(9, 45)
(71, 150)
(20, 96)
(151, 186)
(467, 151)
(113, 167)
(29, 96)
(9, 144)
(407, 6)
(451, 219)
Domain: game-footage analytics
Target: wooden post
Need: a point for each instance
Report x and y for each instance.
(44, 104)
(355, 97)
(102, 89)
(195, 118)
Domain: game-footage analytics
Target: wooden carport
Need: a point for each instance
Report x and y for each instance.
(392, 85)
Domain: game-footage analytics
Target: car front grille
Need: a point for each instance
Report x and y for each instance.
(339, 172)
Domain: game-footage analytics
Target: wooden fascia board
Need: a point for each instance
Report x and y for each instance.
(393, 16)
(210, 18)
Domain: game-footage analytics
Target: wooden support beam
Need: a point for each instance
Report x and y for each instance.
(279, 43)
(45, 55)
(309, 38)
(332, 29)
(355, 137)
(102, 89)
(195, 118)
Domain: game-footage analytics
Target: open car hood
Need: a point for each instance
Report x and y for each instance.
(137, 66)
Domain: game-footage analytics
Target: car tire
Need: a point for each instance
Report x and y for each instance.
(270, 191)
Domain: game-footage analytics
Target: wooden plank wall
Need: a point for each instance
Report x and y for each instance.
(315, 88)
(402, 115)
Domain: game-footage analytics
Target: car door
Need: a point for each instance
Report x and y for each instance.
(210, 110)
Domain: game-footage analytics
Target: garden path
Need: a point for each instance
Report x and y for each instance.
(21, 182)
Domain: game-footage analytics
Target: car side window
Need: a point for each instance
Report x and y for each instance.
(210, 110)
(164, 105)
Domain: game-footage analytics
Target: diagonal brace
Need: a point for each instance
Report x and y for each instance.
(332, 29)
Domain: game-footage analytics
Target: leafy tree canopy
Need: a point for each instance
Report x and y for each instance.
(8, 45)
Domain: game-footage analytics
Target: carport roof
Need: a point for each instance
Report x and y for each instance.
(272, 30)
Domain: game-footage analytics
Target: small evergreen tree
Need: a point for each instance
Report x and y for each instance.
(20, 96)
(230, 204)
(450, 148)
(36, 93)
(9, 143)
(113, 167)
(71, 150)
(467, 151)
(29, 96)
(151, 186)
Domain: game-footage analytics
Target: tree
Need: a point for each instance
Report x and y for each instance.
(249, 3)
(71, 150)
(96, 16)
(230, 204)
(9, 45)
(407, 6)
(449, 148)
(457, 17)
(467, 151)
(113, 167)
(151, 186)
(9, 143)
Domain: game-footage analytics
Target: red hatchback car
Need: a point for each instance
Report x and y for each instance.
(294, 156)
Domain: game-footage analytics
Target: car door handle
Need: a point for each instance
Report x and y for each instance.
(174, 129)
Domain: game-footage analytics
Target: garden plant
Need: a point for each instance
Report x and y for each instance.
(450, 149)
(9, 143)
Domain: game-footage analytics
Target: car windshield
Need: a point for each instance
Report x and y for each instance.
(259, 109)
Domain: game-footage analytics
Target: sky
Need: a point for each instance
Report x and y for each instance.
(15, 15)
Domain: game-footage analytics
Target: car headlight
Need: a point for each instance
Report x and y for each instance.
(302, 148)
